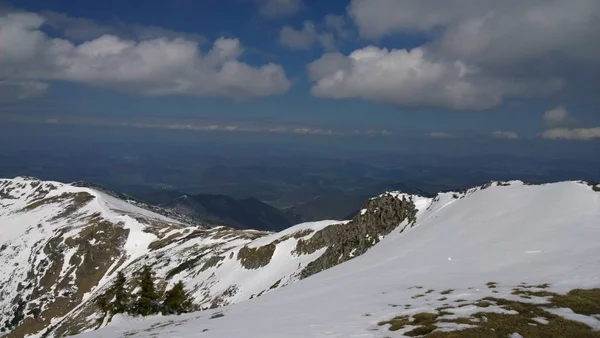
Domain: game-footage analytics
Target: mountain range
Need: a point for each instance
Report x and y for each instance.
(502, 259)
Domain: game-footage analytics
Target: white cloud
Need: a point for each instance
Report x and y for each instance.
(558, 116)
(582, 134)
(513, 49)
(487, 29)
(409, 78)
(279, 8)
(511, 135)
(159, 66)
(437, 134)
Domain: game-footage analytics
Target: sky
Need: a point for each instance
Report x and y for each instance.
(447, 70)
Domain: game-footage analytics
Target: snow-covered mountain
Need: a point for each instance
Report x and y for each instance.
(425, 264)
(63, 244)
(501, 260)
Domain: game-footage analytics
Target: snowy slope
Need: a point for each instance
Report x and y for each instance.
(463, 247)
(59, 242)
(62, 245)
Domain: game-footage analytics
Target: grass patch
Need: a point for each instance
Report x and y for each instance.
(460, 320)
(528, 293)
(396, 323)
(502, 325)
(491, 285)
(421, 331)
(442, 299)
(585, 302)
(429, 291)
(417, 296)
(424, 318)
(482, 304)
(447, 292)
(520, 320)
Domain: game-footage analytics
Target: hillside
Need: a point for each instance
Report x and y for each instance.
(62, 245)
(501, 260)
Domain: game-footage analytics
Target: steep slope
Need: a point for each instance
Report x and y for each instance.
(62, 246)
(496, 261)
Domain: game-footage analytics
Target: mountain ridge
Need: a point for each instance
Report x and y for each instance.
(220, 266)
(503, 259)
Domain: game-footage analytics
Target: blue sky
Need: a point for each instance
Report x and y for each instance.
(432, 69)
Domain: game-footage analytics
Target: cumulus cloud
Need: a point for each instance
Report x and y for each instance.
(479, 54)
(488, 29)
(160, 66)
(437, 134)
(558, 116)
(409, 78)
(327, 34)
(582, 134)
(279, 8)
(511, 135)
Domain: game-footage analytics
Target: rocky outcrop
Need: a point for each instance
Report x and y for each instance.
(254, 258)
(378, 218)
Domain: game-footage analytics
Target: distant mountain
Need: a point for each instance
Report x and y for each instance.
(159, 196)
(328, 206)
(249, 213)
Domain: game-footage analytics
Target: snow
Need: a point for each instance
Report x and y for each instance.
(25, 232)
(315, 226)
(569, 314)
(541, 320)
(489, 234)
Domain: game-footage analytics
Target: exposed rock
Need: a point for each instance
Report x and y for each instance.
(254, 258)
(345, 241)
